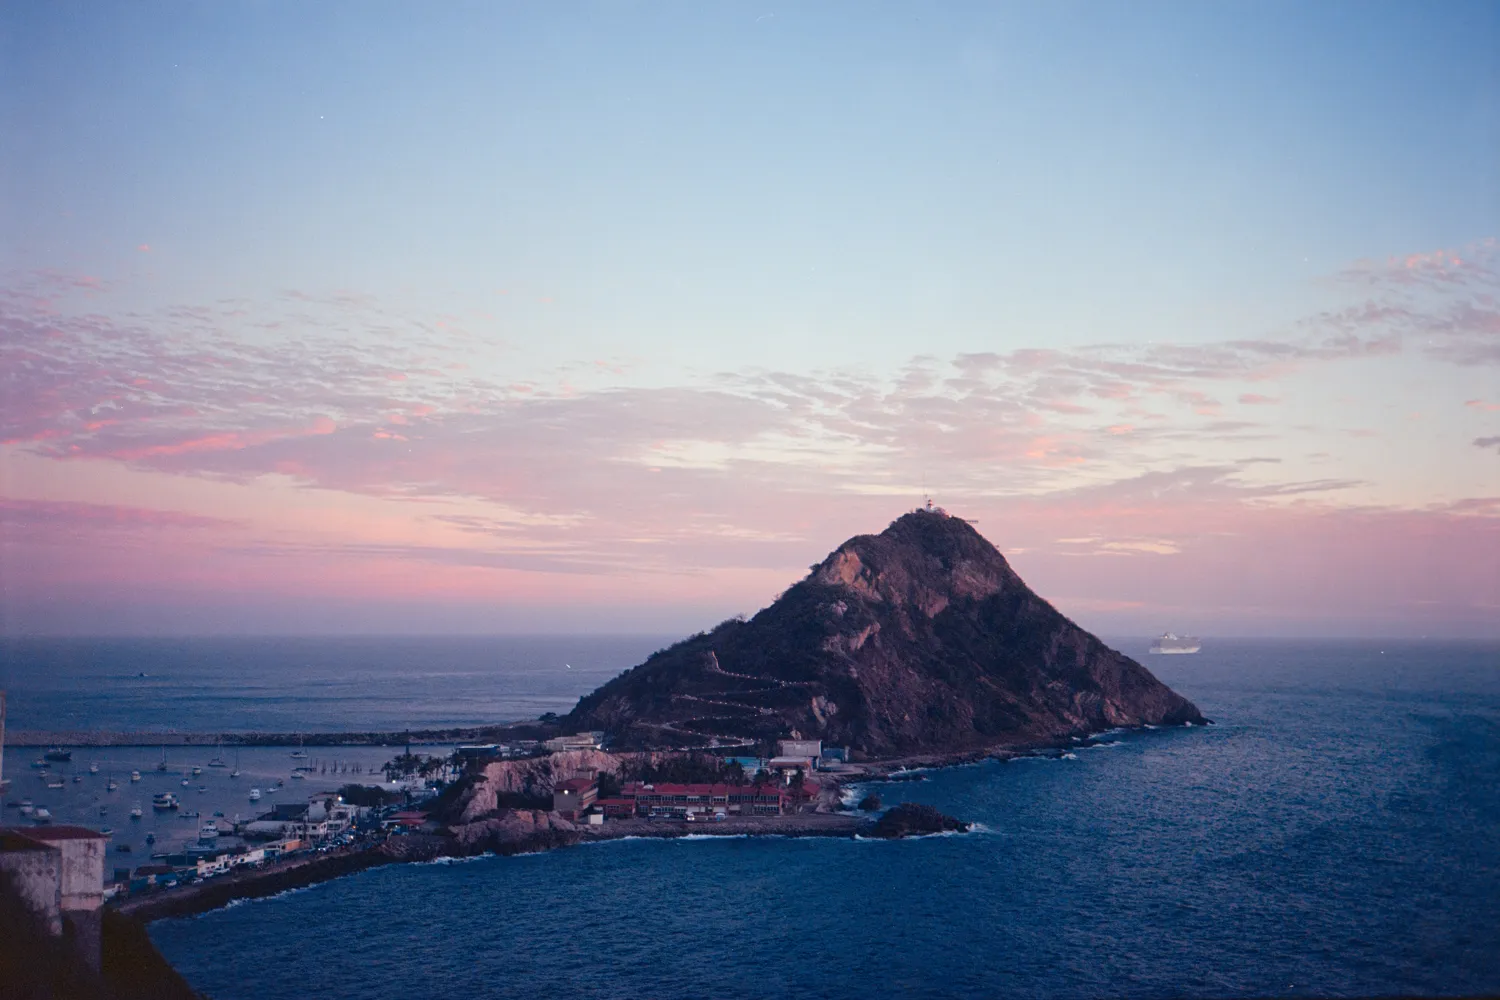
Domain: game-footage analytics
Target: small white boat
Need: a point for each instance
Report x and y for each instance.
(93, 767)
(77, 779)
(164, 800)
(135, 776)
(41, 815)
(106, 832)
(185, 783)
(235, 773)
(197, 770)
(255, 795)
(27, 808)
(298, 776)
(208, 831)
(135, 812)
(202, 788)
(111, 785)
(56, 783)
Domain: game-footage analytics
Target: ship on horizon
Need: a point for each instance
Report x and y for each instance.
(1170, 642)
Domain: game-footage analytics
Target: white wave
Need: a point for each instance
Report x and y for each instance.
(1068, 756)
(1188, 723)
(450, 860)
(1104, 746)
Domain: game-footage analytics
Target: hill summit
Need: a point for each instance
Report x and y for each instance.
(918, 639)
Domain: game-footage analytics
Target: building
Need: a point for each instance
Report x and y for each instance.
(59, 870)
(680, 801)
(834, 755)
(790, 765)
(592, 740)
(799, 748)
(570, 798)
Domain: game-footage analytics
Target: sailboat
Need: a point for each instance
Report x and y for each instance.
(236, 772)
(218, 758)
(301, 752)
(163, 765)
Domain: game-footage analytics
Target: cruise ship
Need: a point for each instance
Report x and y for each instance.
(1173, 643)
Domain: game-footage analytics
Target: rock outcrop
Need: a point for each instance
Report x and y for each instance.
(920, 639)
(911, 820)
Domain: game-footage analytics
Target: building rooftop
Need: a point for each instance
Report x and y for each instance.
(15, 840)
(574, 785)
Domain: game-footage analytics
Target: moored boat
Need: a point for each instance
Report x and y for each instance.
(58, 753)
(41, 815)
(255, 795)
(135, 776)
(164, 800)
(135, 812)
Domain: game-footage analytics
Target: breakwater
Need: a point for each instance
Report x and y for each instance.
(497, 733)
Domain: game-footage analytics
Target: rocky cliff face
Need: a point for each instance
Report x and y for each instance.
(919, 639)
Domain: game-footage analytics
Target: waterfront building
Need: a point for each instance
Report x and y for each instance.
(679, 801)
(59, 870)
(570, 798)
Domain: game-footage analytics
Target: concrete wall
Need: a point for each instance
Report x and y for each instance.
(80, 889)
(38, 878)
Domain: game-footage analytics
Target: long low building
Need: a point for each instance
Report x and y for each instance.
(678, 801)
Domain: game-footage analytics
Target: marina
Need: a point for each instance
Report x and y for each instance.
(142, 828)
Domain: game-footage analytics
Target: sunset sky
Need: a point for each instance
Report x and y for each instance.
(614, 317)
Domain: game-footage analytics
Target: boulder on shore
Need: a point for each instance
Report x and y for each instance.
(911, 820)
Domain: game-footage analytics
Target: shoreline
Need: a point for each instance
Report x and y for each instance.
(301, 873)
(297, 873)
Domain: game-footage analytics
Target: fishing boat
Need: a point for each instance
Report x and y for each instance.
(135, 776)
(135, 812)
(58, 753)
(208, 831)
(162, 801)
(255, 795)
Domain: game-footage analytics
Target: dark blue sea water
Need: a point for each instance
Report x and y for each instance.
(309, 684)
(1337, 833)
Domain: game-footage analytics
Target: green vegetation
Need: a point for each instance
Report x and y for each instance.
(369, 796)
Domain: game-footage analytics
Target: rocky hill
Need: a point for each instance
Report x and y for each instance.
(919, 639)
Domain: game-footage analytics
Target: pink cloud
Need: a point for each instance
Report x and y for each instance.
(1255, 399)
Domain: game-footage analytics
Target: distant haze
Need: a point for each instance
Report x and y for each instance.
(362, 318)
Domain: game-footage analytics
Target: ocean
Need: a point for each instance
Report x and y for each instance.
(303, 684)
(1336, 832)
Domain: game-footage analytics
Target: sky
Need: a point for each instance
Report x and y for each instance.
(615, 317)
